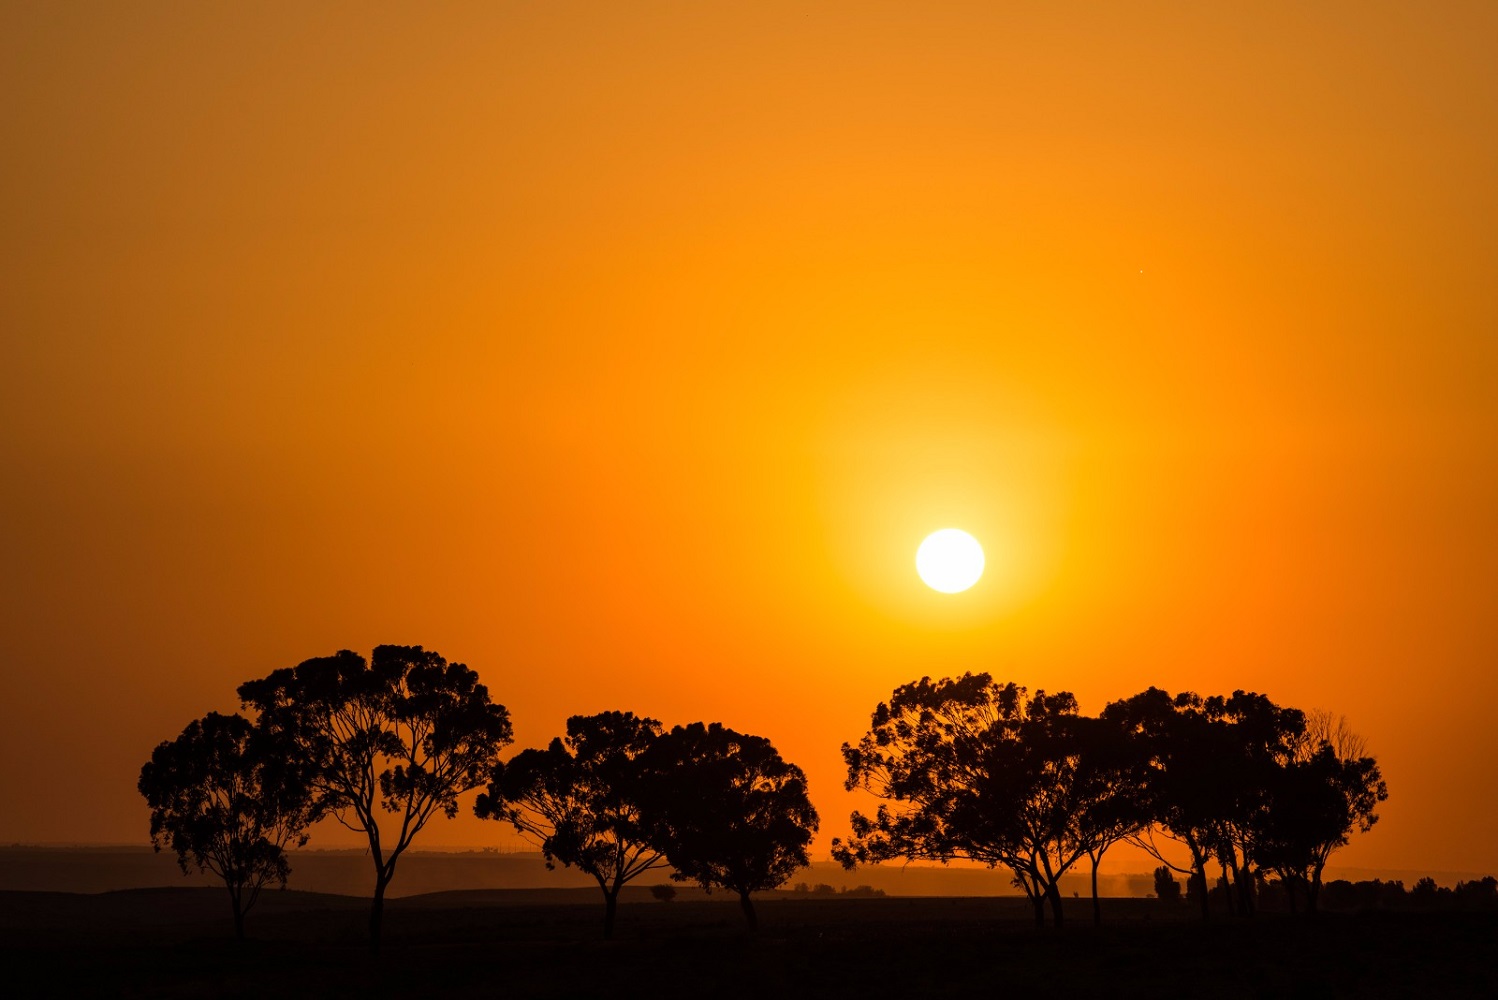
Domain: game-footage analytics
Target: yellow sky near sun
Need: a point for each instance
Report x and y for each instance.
(626, 352)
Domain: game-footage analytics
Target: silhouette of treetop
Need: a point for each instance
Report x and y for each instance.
(405, 733)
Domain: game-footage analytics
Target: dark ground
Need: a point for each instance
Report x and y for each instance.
(546, 943)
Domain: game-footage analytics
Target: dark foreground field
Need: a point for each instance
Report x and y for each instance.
(545, 943)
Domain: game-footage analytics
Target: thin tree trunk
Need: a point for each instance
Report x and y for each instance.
(1248, 890)
(1097, 908)
(235, 901)
(1038, 901)
(1053, 893)
(748, 906)
(610, 907)
(1201, 880)
(377, 912)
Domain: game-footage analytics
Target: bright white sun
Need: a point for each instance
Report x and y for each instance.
(949, 560)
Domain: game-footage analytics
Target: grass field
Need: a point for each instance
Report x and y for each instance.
(546, 943)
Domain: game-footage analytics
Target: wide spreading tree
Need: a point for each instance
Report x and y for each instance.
(973, 769)
(400, 736)
(579, 800)
(726, 810)
(228, 798)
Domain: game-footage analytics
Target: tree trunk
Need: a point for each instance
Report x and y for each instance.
(1038, 901)
(1053, 893)
(610, 907)
(748, 906)
(1314, 890)
(1200, 875)
(1097, 908)
(236, 900)
(377, 912)
(1243, 881)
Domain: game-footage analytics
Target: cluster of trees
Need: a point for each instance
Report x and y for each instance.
(971, 768)
(617, 796)
(967, 768)
(384, 745)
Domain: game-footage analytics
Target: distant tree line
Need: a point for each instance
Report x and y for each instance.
(823, 890)
(967, 768)
(384, 745)
(1341, 894)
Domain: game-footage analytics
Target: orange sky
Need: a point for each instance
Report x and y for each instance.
(626, 352)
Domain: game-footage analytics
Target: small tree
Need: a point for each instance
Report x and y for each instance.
(727, 811)
(404, 734)
(1166, 886)
(579, 800)
(228, 799)
(663, 892)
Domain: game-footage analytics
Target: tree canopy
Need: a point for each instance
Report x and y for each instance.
(228, 798)
(404, 735)
(580, 800)
(1312, 804)
(727, 810)
(1249, 784)
(970, 768)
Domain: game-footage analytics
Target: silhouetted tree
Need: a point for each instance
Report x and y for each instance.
(579, 800)
(404, 734)
(1109, 800)
(727, 811)
(663, 892)
(228, 799)
(1260, 741)
(1209, 763)
(1312, 803)
(1166, 886)
(972, 769)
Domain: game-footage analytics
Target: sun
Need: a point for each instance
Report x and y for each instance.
(949, 560)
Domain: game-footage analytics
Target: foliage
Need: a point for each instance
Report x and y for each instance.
(579, 800)
(727, 811)
(1310, 807)
(973, 769)
(404, 734)
(1166, 886)
(1210, 764)
(227, 798)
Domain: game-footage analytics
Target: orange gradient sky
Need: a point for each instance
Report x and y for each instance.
(626, 352)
